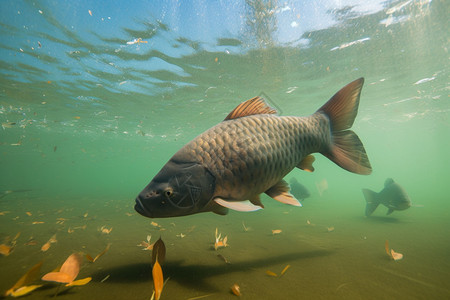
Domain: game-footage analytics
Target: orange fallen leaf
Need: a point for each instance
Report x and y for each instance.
(394, 255)
(68, 272)
(45, 247)
(158, 279)
(90, 12)
(38, 222)
(270, 273)
(5, 249)
(28, 213)
(276, 231)
(235, 289)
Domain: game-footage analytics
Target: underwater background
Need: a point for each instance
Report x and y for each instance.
(96, 96)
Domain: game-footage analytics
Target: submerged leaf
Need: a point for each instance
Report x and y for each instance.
(396, 255)
(285, 269)
(158, 279)
(235, 289)
(27, 278)
(386, 247)
(159, 251)
(99, 255)
(80, 282)
(72, 266)
(68, 271)
(57, 277)
(22, 291)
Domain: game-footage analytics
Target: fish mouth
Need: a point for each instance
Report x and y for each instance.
(140, 208)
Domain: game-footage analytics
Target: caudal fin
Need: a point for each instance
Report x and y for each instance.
(372, 202)
(347, 150)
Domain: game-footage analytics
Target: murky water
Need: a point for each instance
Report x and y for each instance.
(95, 99)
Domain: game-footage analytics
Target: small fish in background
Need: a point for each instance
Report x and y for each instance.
(393, 196)
(298, 190)
(5, 193)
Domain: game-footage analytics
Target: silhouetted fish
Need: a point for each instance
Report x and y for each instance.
(393, 196)
(298, 190)
(249, 153)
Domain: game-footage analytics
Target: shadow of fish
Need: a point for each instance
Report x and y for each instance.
(393, 196)
(298, 190)
(249, 153)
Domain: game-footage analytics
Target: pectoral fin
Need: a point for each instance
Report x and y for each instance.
(306, 163)
(280, 192)
(256, 200)
(220, 210)
(238, 205)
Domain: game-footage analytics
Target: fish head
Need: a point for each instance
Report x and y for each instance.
(401, 200)
(179, 189)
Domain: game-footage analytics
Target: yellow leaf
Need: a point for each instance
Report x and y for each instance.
(285, 269)
(22, 291)
(28, 277)
(270, 273)
(80, 282)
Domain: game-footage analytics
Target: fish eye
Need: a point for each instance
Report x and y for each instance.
(168, 192)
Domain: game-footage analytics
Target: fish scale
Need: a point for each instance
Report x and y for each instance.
(249, 153)
(264, 148)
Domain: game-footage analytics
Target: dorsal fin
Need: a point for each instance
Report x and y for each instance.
(254, 106)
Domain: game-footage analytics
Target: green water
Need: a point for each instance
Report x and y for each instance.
(86, 139)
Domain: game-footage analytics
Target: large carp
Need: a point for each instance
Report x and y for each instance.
(231, 164)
